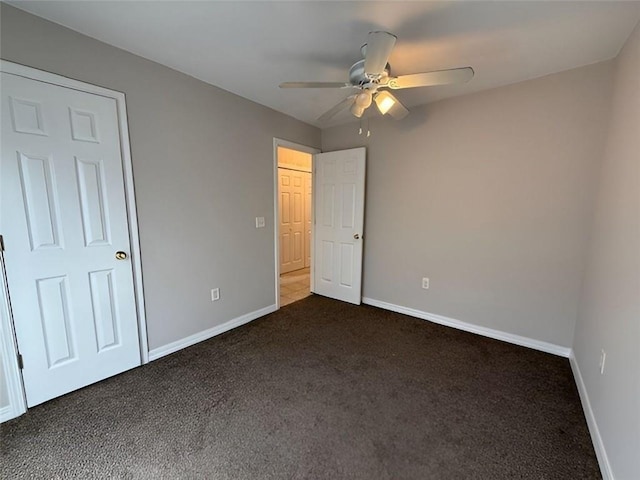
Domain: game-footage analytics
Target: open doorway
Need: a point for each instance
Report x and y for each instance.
(294, 221)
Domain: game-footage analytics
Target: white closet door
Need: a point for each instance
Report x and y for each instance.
(292, 225)
(63, 218)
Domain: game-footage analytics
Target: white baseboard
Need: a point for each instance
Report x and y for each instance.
(211, 332)
(596, 439)
(469, 327)
(5, 413)
(9, 412)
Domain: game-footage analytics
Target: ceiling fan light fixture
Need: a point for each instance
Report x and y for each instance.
(357, 110)
(384, 102)
(363, 99)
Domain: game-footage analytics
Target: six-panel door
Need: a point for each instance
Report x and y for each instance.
(63, 217)
(294, 240)
(339, 221)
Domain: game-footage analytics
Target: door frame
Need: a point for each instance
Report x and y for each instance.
(278, 142)
(125, 151)
(11, 370)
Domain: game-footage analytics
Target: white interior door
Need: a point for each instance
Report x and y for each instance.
(292, 225)
(63, 217)
(339, 220)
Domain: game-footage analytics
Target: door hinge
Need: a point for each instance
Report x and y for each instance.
(20, 362)
(1, 244)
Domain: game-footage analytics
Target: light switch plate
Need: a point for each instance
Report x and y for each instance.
(215, 294)
(259, 222)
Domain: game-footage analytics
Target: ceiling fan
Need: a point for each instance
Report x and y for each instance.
(372, 74)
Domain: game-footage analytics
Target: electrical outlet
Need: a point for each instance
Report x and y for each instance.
(215, 294)
(603, 358)
(259, 222)
(425, 283)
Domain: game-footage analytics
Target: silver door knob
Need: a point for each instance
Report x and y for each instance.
(121, 255)
(356, 236)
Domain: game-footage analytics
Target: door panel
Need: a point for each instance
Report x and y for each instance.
(92, 201)
(41, 207)
(105, 314)
(339, 182)
(57, 332)
(63, 216)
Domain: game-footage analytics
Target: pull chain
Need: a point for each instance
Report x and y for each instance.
(360, 130)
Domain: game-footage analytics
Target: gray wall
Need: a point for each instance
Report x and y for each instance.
(489, 195)
(609, 315)
(203, 167)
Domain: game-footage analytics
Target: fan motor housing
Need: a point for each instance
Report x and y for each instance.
(358, 77)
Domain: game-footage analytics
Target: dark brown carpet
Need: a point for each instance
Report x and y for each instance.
(321, 390)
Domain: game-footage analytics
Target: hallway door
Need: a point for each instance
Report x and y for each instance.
(339, 222)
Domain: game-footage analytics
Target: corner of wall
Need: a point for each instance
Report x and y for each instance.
(594, 431)
(609, 306)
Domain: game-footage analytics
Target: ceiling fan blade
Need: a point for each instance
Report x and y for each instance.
(347, 102)
(429, 79)
(315, 85)
(379, 46)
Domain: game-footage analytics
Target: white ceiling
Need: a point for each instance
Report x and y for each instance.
(248, 48)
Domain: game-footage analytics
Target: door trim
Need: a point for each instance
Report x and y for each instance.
(278, 142)
(11, 370)
(125, 147)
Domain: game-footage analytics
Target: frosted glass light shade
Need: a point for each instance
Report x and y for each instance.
(357, 110)
(363, 99)
(384, 102)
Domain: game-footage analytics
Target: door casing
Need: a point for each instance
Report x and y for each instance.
(8, 333)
